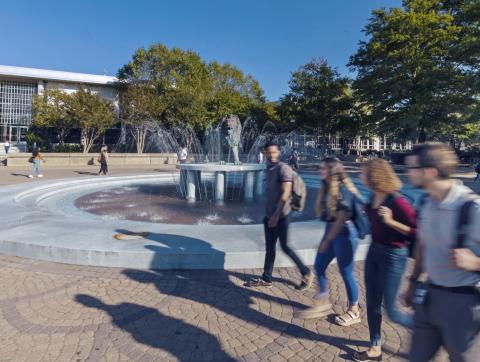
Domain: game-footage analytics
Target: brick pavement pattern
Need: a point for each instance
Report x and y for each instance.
(58, 312)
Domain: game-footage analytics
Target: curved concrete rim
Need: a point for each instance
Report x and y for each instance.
(217, 167)
(35, 226)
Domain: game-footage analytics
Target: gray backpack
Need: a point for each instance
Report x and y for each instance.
(299, 193)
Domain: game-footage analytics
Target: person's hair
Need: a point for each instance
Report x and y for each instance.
(271, 144)
(36, 151)
(338, 177)
(436, 155)
(381, 177)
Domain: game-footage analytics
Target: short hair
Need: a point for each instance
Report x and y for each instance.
(436, 155)
(272, 144)
(381, 177)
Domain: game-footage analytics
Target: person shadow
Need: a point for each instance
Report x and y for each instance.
(219, 289)
(150, 327)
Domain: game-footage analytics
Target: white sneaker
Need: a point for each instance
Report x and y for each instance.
(40, 175)
(30, 176)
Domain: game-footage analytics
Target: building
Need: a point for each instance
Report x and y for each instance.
(18, 85)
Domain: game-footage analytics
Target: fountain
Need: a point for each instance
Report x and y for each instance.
(224, 137)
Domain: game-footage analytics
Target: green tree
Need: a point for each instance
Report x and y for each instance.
(92, 114)
(406, 75)
(140, 106)
(319, 98)
(233, 92)
(180, 79)
(50, 109)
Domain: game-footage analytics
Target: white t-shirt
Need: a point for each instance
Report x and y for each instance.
(183, 154)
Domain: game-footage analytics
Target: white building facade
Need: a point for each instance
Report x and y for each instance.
(18, 85)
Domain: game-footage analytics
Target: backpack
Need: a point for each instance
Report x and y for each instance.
(299, 193)
(359, 217)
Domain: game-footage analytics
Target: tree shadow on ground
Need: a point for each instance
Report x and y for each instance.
(150, 327)
(217, 289)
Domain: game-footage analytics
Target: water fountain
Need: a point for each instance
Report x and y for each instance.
(225, 136)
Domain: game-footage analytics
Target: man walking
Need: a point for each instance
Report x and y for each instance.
(447, 306)
(277, 208)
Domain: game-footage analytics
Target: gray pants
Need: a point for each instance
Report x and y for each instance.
(447, 319)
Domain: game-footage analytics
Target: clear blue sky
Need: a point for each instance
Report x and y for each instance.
(266, 38)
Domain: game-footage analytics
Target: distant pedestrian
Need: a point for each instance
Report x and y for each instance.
(183, 153)
(103, 159)
(277, 209)
(293, 160)
(6, 145)
(261, 156)
(336, 206)
(393, 224)
(36, 161)
(477, 170)
(447, 306)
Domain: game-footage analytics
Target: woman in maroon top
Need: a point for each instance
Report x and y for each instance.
(393, 224)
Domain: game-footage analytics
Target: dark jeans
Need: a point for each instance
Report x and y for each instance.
(384, 268)
(343, 248)
(447, 319)
(103, 168)
(271, 235)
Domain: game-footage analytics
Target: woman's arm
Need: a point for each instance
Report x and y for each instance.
(340, 218)
(406, 223)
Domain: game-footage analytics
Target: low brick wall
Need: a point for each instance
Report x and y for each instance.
(90, 159)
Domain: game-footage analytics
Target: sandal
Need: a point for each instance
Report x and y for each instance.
(348, 318)
(363, 356)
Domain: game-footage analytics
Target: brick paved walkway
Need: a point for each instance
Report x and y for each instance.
(57, 312)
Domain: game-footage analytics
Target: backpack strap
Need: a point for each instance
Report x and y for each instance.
(464, 221)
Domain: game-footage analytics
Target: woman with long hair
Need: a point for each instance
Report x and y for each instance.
(335, 206)
(393, 223)
(37, 158)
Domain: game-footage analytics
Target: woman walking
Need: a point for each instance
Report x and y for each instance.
(103, 159)
(335, 206)
(393, 223)
(36, 160)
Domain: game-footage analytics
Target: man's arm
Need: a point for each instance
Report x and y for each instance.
(286, 193)
(417, 271)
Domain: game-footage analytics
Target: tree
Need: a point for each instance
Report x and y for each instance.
(50, 110)
(319, 98)
(92, 114)
(406, 74)
(233, 92)
(180, 79)
(140, 106)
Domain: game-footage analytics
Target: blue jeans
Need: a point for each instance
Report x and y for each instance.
(36, 167)
(477, 178)
(384, 268)
(280, 232)
(343, 248)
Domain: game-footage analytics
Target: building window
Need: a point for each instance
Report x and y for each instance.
(16, 102)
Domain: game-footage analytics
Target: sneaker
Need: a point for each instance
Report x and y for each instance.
(318, 310)
(306, 282)
(258, 282)
(30, 176)
(40, 175)
(363, 356)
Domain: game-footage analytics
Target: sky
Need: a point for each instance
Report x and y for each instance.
(268, 39)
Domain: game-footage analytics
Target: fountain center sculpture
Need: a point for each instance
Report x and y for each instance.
(233, 136)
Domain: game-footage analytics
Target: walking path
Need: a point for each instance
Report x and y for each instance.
(58, 312)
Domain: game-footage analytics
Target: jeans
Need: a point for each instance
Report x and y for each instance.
(477, 178)
(271, 235)
(343, 248)
(103, 168)
(36, 167)
(384, 268)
